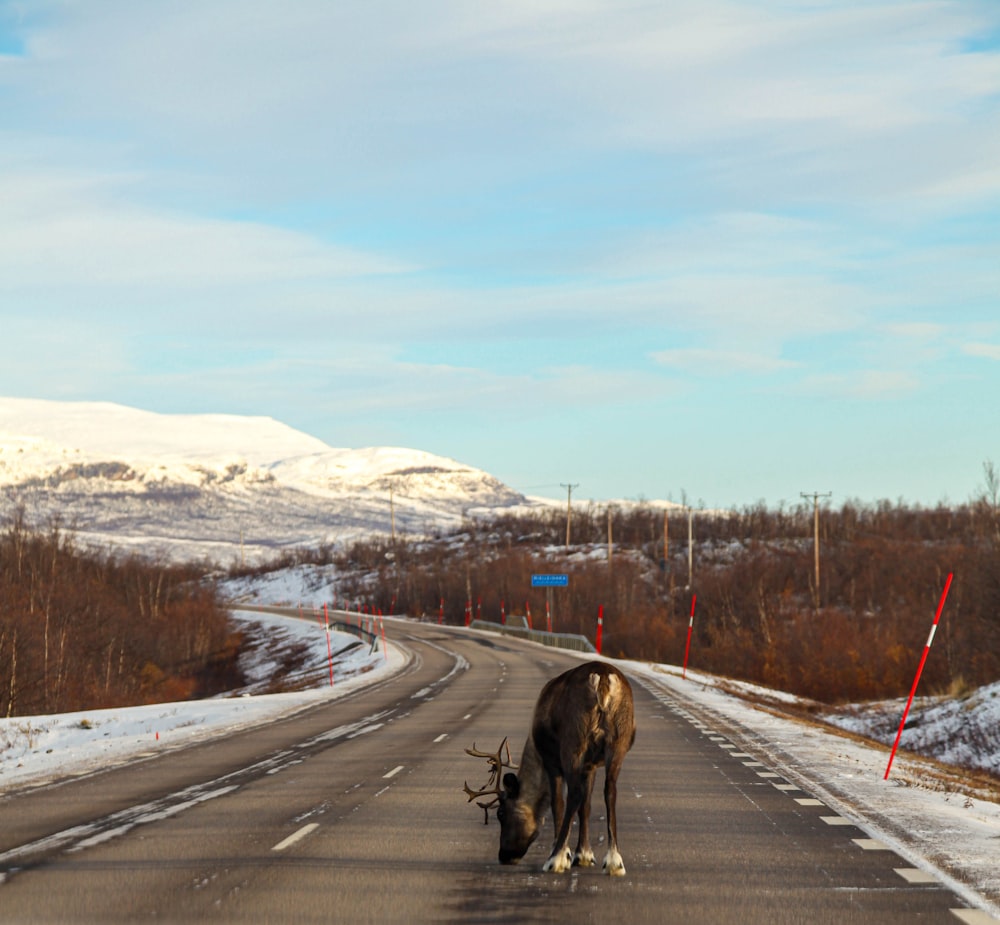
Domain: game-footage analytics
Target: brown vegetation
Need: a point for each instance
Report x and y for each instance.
(80, 630)
(759, 615)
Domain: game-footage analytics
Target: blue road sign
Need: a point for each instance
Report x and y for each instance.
(549, 581)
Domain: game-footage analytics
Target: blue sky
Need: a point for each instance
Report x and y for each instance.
(727, 251)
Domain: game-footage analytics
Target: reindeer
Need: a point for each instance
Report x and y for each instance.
(583, 718)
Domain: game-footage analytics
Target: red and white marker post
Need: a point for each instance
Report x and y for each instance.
(916, 680)
(600, 628)
(687, 647)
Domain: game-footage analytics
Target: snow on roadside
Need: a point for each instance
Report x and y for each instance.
(963, 731)
(930, 818)
(36, 749)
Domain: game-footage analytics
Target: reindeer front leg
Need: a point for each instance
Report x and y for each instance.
(561, 858)
(558, 800)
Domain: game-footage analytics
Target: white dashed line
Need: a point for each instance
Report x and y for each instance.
(441, 738)
(871, 844)
(296, 836)
(836, 820)
(393, 772)
(973, 916)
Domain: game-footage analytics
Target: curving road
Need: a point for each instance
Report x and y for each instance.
(354, 812)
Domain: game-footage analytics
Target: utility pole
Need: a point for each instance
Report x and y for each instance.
(569, 508)
(690, 547)
(816, 495)
(392, 516)
(667, 571)
(666, 539)
(611, 545)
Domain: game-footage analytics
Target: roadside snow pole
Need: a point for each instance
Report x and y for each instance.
(916, 680)
(385, 648)
(600, 628)
(329, 650)
(503, 615)
(527, 610)
(441, 612)
(548, 615)
(687, 647)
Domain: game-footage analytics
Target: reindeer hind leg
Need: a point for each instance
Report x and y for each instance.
(613, 863)
(584, 854)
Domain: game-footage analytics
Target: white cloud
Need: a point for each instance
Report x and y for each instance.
(70, 231)
(330, 94)
(917, 330)
(986, 351)
(722, 362)
(866, 384)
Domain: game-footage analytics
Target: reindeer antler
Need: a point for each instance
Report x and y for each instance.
(494, 784)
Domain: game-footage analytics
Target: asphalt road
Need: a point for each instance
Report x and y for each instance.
(354, 812)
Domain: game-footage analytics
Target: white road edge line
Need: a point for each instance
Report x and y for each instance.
(296, 836)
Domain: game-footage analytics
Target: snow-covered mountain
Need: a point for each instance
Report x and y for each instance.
(220, 486)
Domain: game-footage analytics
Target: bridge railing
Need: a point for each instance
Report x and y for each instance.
(556, 640)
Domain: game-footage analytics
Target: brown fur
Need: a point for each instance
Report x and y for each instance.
(584, 718)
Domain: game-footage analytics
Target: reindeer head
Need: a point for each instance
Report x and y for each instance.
(518, 825)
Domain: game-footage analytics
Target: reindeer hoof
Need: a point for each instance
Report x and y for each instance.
(613, 864)
(584, 858)
(560, 862)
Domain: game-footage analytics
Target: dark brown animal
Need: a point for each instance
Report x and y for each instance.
(583, 719)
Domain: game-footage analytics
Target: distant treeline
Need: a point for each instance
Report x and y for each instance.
(83, 630)
(760, 615)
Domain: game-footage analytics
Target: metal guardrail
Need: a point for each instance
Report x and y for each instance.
(556, 640)
(354, 630)
(341, 625)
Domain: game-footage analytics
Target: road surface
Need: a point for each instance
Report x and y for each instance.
(353, 812)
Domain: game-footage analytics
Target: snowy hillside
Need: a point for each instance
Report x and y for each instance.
(219, 486)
